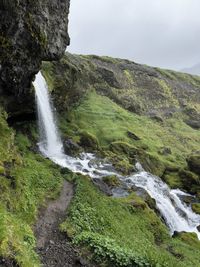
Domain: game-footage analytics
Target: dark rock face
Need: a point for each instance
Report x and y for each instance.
(194, 163)
(31, 31)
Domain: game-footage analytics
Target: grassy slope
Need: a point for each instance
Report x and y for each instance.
(127, 228)
(26, 179)
(108, 122)
(122, 232)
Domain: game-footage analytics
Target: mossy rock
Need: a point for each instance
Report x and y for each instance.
(172, 179)
(151, 163)
(124, 148)
(123, 166)
(189, 178)
(194, 163)
(189, 238)
(196, 207)
(111, 180)
(121, 162)
(88, 141)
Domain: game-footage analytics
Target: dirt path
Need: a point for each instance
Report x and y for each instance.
(53, 247)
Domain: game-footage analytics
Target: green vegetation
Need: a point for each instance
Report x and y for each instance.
(125, 232)
(26, 180)
(110, 124)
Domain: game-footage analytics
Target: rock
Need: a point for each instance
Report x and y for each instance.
(189, 238)
(133, 136)
(198, 228)
(145, 196)
(88, 141)
(193, 162)
(195, 124)
(108, 76)
(123, 147)
(31, 31)
(165, 151)
(71, 148)
(189, 180)
(111, 180)
(156, 117)
(103, 187)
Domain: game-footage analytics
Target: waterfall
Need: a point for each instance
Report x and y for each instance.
(50, 142)
(177, 215)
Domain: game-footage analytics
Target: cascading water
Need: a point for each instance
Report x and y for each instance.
(50, 142)
(178, 216)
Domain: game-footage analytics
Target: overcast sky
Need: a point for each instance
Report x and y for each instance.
(163, 33)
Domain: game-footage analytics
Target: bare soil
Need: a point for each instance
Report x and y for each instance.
(53, 247)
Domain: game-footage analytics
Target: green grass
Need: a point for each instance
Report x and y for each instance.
(124, 232)
(26, 180)
(107, 121)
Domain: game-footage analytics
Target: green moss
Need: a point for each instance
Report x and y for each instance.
(27, 181)
(111, 180)
(196, 207)
(88, 140)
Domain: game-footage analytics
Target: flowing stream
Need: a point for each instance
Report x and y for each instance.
(177, 215)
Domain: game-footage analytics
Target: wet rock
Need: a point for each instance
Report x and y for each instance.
(198, 228)
(103, 187)
(111, 180)
(120, 192)
(188, 178)
(71, 148)
(145, 196)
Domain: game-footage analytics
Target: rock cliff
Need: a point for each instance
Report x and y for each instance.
(31, 31)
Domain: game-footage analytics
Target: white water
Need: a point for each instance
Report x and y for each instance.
(178, 216)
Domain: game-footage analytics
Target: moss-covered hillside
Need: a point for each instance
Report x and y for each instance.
(124, 112)
(139, 112)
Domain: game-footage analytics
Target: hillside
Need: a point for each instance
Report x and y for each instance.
(155, 111)
(123, 112)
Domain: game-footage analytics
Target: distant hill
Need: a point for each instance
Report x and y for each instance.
(195, 70)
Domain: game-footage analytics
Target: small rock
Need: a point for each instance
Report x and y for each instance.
(133, 136)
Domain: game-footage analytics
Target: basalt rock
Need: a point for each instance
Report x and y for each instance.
(30, 31)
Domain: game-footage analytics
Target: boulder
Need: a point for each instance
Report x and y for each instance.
(88, 141)
(71, 148)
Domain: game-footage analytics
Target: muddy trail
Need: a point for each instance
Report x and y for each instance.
(53, 247)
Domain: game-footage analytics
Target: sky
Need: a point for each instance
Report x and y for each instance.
(162, 33)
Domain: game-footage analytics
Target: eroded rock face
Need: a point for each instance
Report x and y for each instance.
(30, 31)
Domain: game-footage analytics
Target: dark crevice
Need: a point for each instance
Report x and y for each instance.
(19, 118)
